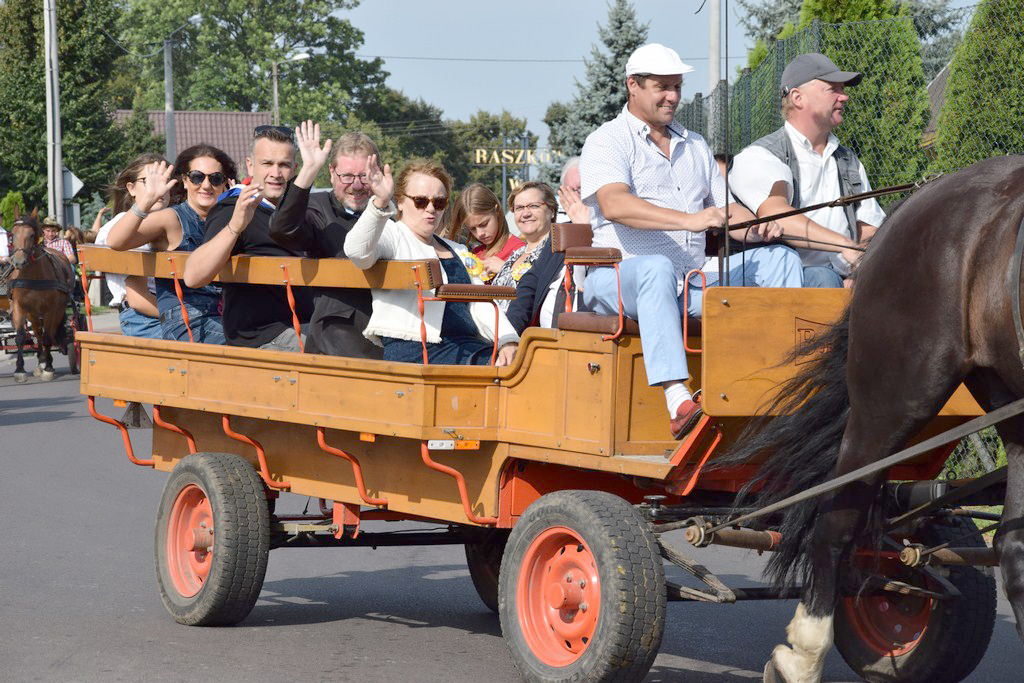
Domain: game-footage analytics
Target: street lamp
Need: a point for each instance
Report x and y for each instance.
(169, 86)
(273, 77)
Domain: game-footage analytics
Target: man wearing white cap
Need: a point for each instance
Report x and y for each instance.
(803, 164)
(653, 189)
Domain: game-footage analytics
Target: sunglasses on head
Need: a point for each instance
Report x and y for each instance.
(421, 202)
(267, 131)
(197, 177)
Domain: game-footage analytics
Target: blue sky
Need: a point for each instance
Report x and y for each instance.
(523, 29)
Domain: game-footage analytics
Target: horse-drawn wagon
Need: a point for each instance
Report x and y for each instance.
(558, 473)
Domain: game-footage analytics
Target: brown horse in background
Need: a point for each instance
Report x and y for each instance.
(41, 283)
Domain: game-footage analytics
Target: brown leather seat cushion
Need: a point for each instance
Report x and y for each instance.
(592, 255)
(475, 292)
(609, 324)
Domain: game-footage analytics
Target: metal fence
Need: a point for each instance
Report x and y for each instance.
(940, 91)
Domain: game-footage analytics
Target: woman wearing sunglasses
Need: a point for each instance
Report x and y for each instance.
(457, 333)
(199, 175)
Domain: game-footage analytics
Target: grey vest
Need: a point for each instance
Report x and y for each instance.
(850, 182)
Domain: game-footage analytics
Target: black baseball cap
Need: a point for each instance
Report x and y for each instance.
(815, 65)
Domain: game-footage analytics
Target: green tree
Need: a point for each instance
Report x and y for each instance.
(11, 204)
(603, 94)
(224, 62)
(982, 114)
(764, 20)
(888, 111)
(91, 144)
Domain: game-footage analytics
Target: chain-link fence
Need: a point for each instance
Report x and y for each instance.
(940, 91)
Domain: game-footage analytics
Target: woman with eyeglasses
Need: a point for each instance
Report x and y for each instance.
(457, 333)
(534, 206)
(199, 175)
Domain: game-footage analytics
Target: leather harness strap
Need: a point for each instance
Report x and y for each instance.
(1014, 277)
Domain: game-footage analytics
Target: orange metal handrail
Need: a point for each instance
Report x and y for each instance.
(686, 300)
(181, 297)
(85, 290)
(461, 481)
(291, 304)
(124, 434)
(159, 421)
(360, 486)
(261, 455)
(421, 306)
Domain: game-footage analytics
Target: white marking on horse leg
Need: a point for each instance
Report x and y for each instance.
(811, 639)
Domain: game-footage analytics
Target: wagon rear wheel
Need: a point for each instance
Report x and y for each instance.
(908, 639)
(582, 590)
(484, 560)
(212, 540)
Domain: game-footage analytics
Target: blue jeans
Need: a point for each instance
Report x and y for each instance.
(650, 296)
(822, 276)
(206, 326)
(134, 324)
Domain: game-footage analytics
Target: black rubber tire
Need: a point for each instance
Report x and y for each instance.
(631, 620)
(958, 631)
(484, 560)
(241, 527)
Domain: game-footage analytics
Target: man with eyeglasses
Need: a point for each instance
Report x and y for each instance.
(256, 316)
(317, 223)
(653, 190)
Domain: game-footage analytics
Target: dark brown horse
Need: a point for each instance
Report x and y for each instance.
(41, 283)
(932, 307)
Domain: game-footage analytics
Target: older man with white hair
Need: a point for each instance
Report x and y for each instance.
(653, 189)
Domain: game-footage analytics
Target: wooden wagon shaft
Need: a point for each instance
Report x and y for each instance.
(267, 270)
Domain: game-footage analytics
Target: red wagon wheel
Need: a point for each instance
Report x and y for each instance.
(582, 590)
(212, 539)
(190, 540)
(907, 638)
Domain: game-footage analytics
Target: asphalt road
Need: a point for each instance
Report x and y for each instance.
(78, 599)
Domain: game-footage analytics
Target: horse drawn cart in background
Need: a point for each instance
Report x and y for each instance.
(558, 474)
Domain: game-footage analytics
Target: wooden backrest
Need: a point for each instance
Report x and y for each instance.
(567, 235)
(269, 270)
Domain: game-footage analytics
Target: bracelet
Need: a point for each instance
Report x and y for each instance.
(139, 212)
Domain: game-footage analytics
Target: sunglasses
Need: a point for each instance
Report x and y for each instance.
(197, 177)
(266, 131)
(421, 202)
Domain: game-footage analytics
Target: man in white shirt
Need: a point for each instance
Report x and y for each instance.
(803, 164)
(653, 189)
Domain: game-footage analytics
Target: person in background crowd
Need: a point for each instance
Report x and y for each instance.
(199, 175)
(318, 224)
(53, 241)
(457, 333)
(653, 190)
(534, 206)
(802, 164)
(133, 296)
(477, 216)
(257, 316)
(570, 205)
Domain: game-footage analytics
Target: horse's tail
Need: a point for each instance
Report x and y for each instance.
(799, 447)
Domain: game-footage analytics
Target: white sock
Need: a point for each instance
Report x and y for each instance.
(675, 394)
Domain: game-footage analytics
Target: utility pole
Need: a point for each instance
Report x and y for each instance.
(714, 70)
(169, 132)
(54, 151)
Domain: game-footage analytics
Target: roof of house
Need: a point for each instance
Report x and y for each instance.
(231, 131)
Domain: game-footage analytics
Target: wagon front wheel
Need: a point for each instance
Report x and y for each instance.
(582, 590)
(212, 540)
(907, 638)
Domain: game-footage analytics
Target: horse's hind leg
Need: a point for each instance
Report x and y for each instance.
(53, 320)
(1009, 540)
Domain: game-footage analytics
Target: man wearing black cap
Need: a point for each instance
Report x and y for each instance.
(802, 164)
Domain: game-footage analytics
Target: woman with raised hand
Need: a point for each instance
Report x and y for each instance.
(199, 175)
(457, 333)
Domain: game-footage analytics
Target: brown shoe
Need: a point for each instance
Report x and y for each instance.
(687, 415)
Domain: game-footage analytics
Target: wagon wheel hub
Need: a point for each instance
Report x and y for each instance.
(202, 539)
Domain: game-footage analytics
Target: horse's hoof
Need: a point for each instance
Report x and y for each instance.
(46, 375)
(771, 674)
(38, 371)
(20, 377)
